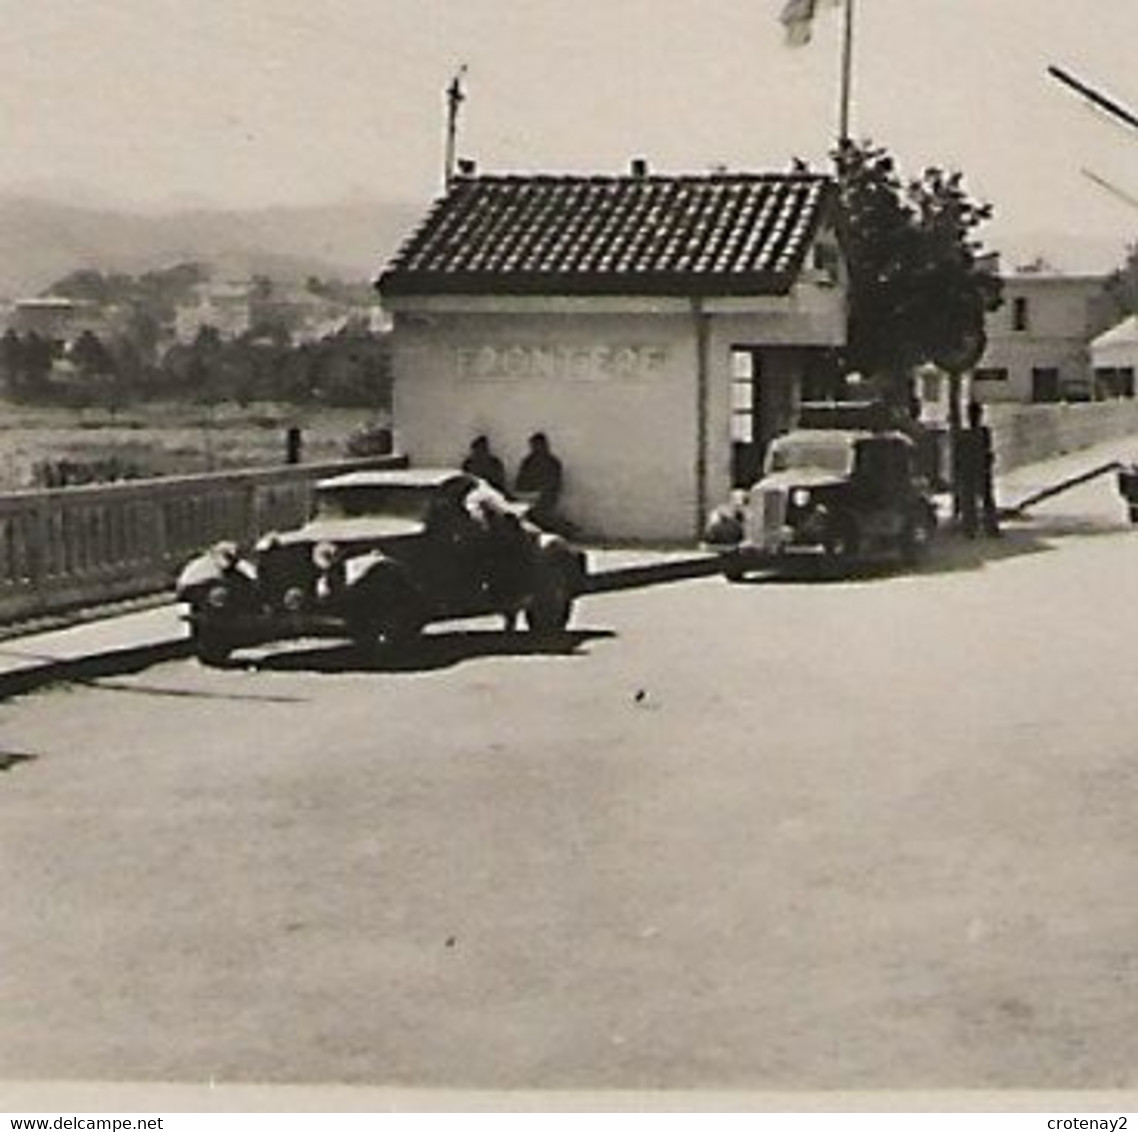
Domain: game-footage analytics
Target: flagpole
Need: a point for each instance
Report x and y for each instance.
(847, 72)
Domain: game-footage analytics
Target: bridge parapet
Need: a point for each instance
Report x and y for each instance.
(68, 547)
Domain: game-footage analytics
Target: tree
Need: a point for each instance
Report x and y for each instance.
(38, 357)
(1122, 286)
(11, 359)
(919, 288)
(91, 357)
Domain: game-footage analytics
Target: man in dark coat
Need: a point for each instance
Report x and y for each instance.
(977, 460)
(480, 461)
(539, 478)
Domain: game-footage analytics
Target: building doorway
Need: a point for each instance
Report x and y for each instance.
(1044, 384)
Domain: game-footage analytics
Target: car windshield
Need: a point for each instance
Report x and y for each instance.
(399, 501)
(827, 455)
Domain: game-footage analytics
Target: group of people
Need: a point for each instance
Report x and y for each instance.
(538, 480)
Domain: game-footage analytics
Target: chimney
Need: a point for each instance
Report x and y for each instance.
(639, 167)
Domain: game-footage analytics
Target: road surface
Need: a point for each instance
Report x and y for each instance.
(877, 833)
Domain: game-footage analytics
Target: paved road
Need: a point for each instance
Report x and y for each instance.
(871, 834)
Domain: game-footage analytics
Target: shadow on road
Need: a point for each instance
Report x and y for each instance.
(431, 652)
(952, 552)
(653, 574)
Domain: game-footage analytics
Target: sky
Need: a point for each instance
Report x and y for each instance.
(164, 103)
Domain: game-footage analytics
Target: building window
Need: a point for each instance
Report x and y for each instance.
(742, 397)
(1114, 381)
(1019, 314)
(991, 373)
(1045, 384)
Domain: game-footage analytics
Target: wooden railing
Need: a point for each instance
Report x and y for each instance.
(77, 546)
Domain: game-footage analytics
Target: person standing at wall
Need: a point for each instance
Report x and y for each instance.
(977, 464)
(539, 479)
(480, 461)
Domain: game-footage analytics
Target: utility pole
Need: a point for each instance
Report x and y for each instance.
(455, 97)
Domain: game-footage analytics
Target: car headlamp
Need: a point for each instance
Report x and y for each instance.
(324, 555)
(800, 497)
(293, 599)
(217, 596)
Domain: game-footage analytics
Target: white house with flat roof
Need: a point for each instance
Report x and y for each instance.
(1039, 339)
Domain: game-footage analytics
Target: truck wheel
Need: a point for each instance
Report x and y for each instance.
(551, 605)
(842, 545)
(916, 539)
(1134, 513)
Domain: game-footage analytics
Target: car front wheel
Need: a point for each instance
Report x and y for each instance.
(210, 647)
(551, 605)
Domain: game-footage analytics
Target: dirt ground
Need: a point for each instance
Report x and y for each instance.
(169, 439)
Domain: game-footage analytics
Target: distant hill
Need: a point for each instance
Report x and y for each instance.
(42, 240)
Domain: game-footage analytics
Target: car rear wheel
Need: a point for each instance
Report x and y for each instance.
(551, 605)
(734, 571)
(395, 633)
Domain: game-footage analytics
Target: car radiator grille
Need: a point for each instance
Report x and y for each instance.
(283, 568)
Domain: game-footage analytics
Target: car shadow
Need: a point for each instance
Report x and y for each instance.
(952, 552)
(697, 565)
(431, 651)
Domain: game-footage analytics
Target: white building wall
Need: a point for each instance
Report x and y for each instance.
(615, 394)
(615, 383)
(1063, 313)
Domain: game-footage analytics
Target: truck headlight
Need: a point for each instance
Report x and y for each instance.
(800, 497)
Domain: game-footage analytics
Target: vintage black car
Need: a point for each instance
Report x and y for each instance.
(840, 495)
(385, 553)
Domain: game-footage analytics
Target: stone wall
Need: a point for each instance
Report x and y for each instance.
(1025, 434)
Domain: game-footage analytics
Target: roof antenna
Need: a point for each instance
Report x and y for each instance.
(455, 97)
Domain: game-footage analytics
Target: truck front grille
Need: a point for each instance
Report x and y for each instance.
(766, 516)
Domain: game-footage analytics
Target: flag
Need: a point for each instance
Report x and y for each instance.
(798, 19)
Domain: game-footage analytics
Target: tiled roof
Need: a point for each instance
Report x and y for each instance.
(740, 234)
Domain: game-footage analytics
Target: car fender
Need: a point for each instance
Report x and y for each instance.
(368, 576)
(359, 567)
(211, 567)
